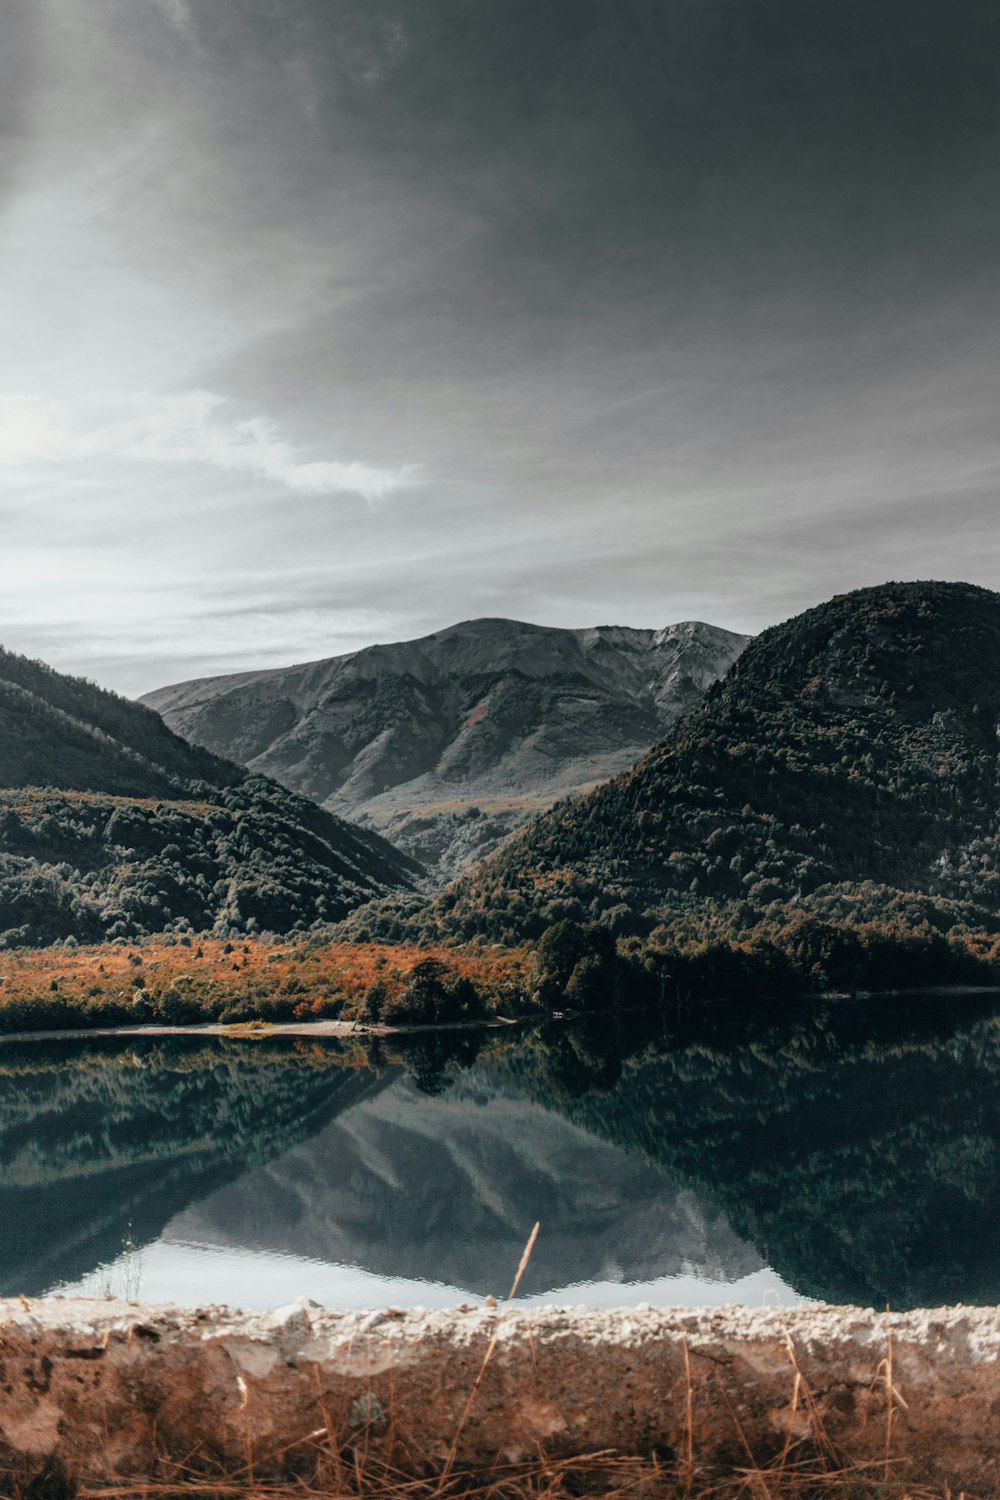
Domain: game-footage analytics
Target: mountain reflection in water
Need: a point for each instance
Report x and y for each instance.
(446, 1189)
(852, 1155)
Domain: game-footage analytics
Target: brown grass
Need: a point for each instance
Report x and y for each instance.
(354, 1474)
(345, 1466)
(297, 979)
(382, 1459)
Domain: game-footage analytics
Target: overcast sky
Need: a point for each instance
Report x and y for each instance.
(325, 322)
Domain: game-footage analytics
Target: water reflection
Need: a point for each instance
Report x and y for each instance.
(445, 1188)
(171, 1270)
(852, 1155)
(857, 1147)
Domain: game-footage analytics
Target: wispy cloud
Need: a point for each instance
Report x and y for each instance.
(190, 427)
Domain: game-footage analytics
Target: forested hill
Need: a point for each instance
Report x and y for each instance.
(113, 826)
(845, 766)
(66, 732)
(446, 744)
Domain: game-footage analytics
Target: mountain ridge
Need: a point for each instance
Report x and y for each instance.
(86, 738)
(447, 742)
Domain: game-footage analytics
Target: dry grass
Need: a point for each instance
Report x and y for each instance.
(383, 1460)
(353, 1474)
(299, 979)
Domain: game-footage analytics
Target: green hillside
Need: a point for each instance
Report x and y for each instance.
(113, 826)
(66, 732)
(846, 766)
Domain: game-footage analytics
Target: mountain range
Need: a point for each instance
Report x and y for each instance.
(447, 743)
(845, 766)
(113, 826)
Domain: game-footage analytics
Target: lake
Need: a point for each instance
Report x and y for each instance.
(850, 1153)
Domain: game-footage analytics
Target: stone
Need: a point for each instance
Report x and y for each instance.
(97, 1391)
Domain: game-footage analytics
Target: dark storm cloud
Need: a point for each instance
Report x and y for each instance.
(583, 130)
(338, 319)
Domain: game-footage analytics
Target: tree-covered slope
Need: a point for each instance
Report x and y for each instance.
(66, 732)
(113, 826)
(849, 755)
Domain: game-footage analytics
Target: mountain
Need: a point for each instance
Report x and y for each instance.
(846, 765)
(447, 743)
(67, 732)
(112, 826)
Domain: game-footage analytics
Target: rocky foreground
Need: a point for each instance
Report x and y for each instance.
(102, 1393)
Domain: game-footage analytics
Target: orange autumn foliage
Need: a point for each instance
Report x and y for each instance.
(195, 979)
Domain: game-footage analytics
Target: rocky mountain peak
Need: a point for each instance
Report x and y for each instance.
(447, 742)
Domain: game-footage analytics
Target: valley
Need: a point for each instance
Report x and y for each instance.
(827, 820)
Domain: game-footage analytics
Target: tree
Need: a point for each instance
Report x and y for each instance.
(377, 997)
(434, 993)
(566, 948)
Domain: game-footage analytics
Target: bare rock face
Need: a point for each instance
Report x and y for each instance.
(96, 1391)
(446, 744)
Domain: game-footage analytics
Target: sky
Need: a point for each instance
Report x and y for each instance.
(327, 322)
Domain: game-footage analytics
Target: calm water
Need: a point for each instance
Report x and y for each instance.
(853, 1156)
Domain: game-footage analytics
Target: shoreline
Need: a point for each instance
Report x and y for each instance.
(258, 1030)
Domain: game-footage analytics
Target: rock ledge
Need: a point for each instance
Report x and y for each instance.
(95, 1391)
